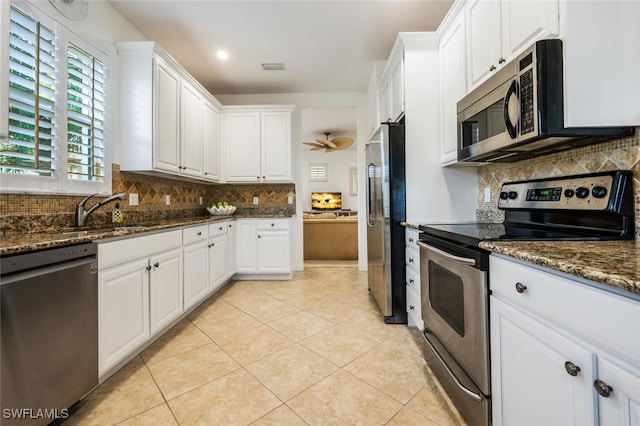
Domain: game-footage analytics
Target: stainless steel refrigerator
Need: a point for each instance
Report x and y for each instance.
(386, 201)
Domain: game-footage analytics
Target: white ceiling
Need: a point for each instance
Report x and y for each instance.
(327, 46)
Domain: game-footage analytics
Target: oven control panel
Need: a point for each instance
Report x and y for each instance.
(587, 192)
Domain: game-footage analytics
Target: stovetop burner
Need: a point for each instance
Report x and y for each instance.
(595, 206)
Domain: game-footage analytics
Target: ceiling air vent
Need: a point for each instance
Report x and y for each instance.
(273, 66)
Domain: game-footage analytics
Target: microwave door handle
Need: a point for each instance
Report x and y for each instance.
(465, 260)
(511, 127)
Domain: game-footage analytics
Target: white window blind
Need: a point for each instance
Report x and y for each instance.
(85, 115)
(318, 172)
(30, 147)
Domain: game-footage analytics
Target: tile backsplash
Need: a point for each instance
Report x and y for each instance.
(619, 154)
(38, 213)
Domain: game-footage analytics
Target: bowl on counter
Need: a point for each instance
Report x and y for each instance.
(221, 211)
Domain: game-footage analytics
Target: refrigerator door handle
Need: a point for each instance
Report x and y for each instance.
(369, 200)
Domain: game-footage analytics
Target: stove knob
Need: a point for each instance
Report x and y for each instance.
(503, 195)
(569, 193)
(512, 195)
(582, 192)
(599, 191)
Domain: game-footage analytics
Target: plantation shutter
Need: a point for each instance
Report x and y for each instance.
(85, 115)
(29, 148)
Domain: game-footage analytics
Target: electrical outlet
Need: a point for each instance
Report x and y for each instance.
(487, 195)
(255, 201)
(167, 199)
(290, 199)
(133, 199)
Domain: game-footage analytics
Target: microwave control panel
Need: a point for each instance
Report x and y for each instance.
(572, 193)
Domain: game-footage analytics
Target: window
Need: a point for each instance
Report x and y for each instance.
(318, 172)
(57, 98)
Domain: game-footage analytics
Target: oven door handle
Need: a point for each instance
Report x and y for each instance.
(465, 260)
(470, 393)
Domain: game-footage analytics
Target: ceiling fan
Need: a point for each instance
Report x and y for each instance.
(334, 144)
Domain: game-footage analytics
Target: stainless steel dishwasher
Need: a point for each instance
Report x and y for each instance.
(49, 324)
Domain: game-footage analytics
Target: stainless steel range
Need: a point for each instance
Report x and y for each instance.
(455, 270)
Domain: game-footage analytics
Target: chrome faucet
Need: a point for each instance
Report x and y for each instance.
(82, 215)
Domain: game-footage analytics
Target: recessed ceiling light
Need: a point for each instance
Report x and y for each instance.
(273, 66)
(222, 54)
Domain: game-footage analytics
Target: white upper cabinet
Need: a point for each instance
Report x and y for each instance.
(391, 87)
(453, 84)
(168, 121)
(601, 49)
(257, 141)
(499, 30)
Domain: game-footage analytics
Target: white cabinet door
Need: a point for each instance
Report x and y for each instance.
(525, 21)
(217, 262)
(453, 75)
(210, 143)
(231, 248)
(484, 39)
(622, 405)
(530, 380)
(196, 273)
(246, 246)
(191, 124)
(123, 311)
(241, 134)
(276, 146)
(166, 154)
(165, 288)
(274, 252)
(385, 101)
(397, 90)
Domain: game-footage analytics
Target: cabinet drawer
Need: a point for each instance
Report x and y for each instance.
(272, 224)
(579, 306)
(414, 310)
(218, 228)
(412, 258)
(413, 280)
(411, 237)
(128, 249)
(194, 234)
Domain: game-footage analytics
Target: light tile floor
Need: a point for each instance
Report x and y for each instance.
(314, 350)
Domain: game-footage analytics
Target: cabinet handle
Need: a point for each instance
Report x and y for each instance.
(492, 68)
(264, 177)
(502, 61)
(412, 307)
(199, 233)
(411, 280)
(157, 264)
(571, 368)
(602, 388)
(148, 268)
(273, 224)
(211, 245)
(411, 260)
(220, 229)
(259, 236)
(410, 239)
(230, 226)
(520, 288)
(258, 177)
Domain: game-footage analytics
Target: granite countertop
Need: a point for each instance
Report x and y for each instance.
(19, 242)
(612, 263)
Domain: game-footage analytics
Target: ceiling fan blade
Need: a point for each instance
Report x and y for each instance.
(317, 148)
(313, 144)
(328, 149)
(342, 143)
(326, 142)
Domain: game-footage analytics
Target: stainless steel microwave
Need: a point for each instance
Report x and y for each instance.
(518, 112)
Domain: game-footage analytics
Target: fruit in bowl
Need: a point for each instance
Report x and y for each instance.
(221, 208)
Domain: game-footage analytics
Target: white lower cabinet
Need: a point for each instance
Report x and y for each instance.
(218, 252)
(263, 247)
(139, 293)
(412, 278)
(196, 264)
(563, 351)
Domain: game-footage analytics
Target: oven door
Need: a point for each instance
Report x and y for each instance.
(455, 305)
